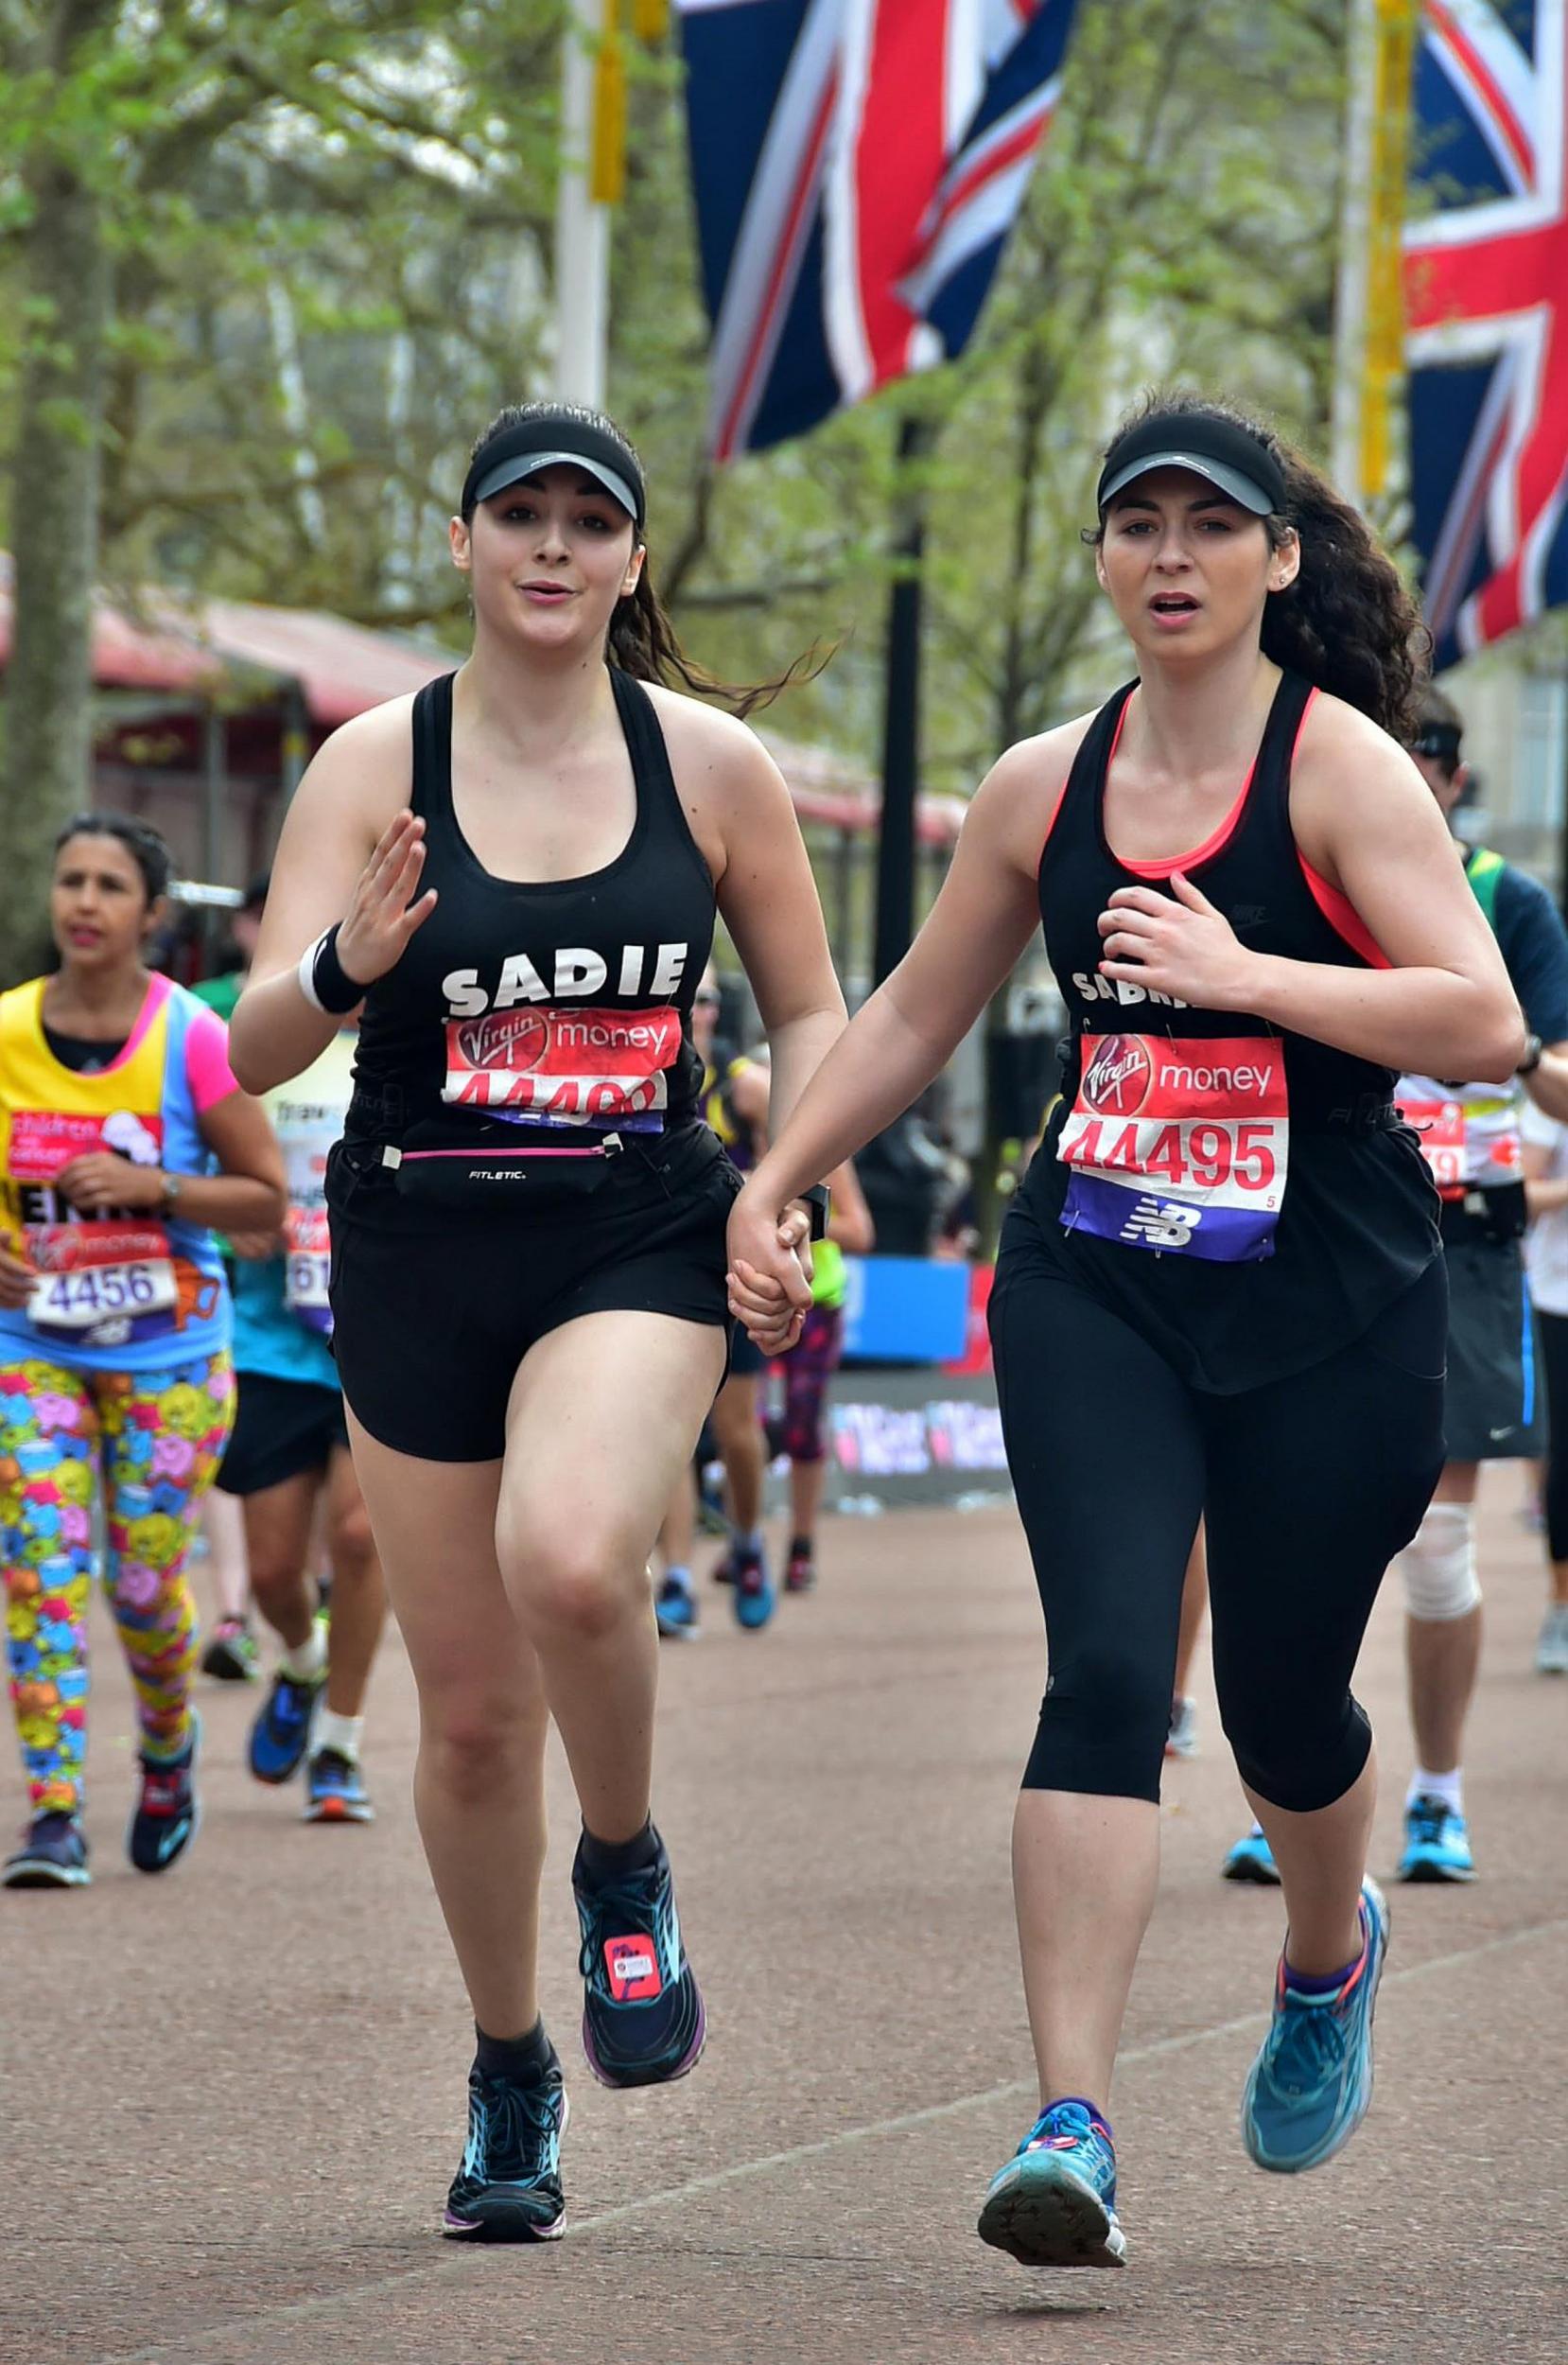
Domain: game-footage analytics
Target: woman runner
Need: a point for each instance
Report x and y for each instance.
(517, 871)
(123, 1140)
(1220, 1288)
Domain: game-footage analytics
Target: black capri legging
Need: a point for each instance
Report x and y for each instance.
(1309, 1485)
(1552, 1331)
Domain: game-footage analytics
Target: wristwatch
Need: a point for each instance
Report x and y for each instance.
(1531, 1060)
(820, 1201)
(168, 1192)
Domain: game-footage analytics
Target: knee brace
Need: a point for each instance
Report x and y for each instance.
(1438, 1564)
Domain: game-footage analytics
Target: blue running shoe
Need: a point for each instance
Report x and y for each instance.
(675, 1611)
(1312, 2082)
(167, 1814)
(1054, 2202)
(53, 1855)
(335, 1790)
(755, 1596)
(643, 2021)
(1251, 1859)
(1437, 1845)
(281, 1733)
(508, 2187)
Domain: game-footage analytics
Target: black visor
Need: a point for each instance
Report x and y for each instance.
(1210, 445)
(555, 439)
(1439, 740)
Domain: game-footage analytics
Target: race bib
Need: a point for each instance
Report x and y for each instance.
(1180, 1146)
(307, 1262)
(565, 1064)
(1441, 1126)
(103, 1282)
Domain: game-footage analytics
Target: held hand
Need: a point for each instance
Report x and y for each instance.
(384, 912)
(18, 1279)
(101, 1179)
(1176, 944)
(768, 1291)
(254, 1248)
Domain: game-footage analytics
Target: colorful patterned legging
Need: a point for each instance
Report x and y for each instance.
(158, 1437)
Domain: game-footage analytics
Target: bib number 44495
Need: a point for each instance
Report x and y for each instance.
(1180, 1146)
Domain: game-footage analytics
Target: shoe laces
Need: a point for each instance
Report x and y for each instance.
(1427, 1818)
(633, 1900)
(164, 1789)
(1306, 2044)
(510, 2122)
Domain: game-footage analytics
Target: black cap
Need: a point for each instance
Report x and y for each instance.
(255, 894)
(1208, 443)
(1439, 740)
(555, 439)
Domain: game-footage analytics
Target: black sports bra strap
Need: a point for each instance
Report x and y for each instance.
(430, 793)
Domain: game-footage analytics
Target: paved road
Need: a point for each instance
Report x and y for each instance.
(230, 2101)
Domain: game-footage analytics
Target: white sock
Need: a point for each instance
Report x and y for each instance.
(1448, 1787)
(342, 1734)
(1257, 1830)
(308, 1660)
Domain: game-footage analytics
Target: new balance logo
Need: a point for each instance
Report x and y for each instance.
(1159, 1223)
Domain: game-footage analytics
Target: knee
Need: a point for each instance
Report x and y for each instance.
(568, 1590)
(352, 1544)
(1439, 1565)
(471, 1747)
(1301, 1761)
(1103, 1725)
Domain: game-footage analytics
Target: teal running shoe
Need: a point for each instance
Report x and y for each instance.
(1437, 1845)
(508, 2187)
(675, 1611)
(755, 1596)
(1054, 2202)
(1312, 2083)
(1251, 1859)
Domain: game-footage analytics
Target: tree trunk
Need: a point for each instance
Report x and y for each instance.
(54, 510)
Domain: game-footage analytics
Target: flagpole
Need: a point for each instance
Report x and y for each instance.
(1351, 278)
(901, 713)
(582, 227)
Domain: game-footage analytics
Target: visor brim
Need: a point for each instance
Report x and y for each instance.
(1244, 490)
(523, 465)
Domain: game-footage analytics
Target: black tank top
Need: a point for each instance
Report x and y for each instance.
(1245, 1196)
(564, 1003)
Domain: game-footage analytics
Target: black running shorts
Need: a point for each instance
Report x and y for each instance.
(1490, 1410)
(281, 1427)
(431, 1324)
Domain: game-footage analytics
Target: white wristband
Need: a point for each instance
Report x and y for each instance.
(306, 974)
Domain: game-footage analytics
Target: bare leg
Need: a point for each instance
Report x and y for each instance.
(807, 1483)
(603, 1419)
(277, 1533)
(1443, 1656)
(359, 1590)
(679, 1536)
(1322, 1860)
(479, 1784)
(743, 1450)
(223, 1524)
(1084, 1876)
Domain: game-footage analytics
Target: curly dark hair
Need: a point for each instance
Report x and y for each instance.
(1346, 622)
(146, 847)
(642, 640)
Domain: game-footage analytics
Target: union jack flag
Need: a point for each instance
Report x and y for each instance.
(1486, 276)
(858, 164)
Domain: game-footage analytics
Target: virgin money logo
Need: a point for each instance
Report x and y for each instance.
(511, 1039)
(1117, 1078)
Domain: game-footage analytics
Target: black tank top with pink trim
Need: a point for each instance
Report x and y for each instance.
(1245, 1197)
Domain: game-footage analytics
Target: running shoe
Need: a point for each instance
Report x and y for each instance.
(1251, 1859)
(231, 1654)
(643, 2021)
(800, 1574)
(335, 1790)
(508, 2187)
(675, 1610)
(755, 1597)
(1551, 1650)
(281, 1734)
(167, 1814)
(53, 1855)
(1437, 1845)
(1182, 1739)
(1054, 2202)
(1311, 2084)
